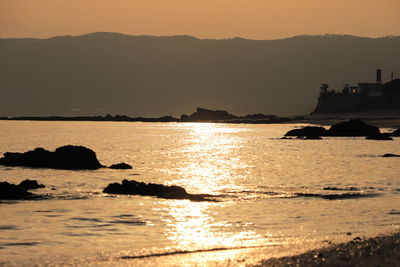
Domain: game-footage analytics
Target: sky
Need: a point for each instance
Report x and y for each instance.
(252, 19)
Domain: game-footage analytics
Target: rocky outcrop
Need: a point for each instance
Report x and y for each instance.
(310, 137)
(259, 116)
(353, 127)
(133, 187)
(390, 155)
(30, 184)
(380, 136)
(12, 191)
(395, 133)
(121, 166)
(66, 157)
(203, 114)
(308, 131)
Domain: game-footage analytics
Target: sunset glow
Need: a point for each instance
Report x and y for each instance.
(199, 133)
(258, 19)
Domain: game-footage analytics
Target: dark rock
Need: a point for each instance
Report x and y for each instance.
(30, 184)
(389, 155)
(259, 116)
(121, 166)
(38, 158)
(379, 137)
(76, 157)
(12, 191)
(353, 127)
(395, 133)
(157, 190)
(166, 119)
(202, 114)
(184, 117)
(308, 131)
(65, 157)
(310, 137)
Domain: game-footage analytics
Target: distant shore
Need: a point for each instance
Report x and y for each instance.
(382, 119)
(378, 251)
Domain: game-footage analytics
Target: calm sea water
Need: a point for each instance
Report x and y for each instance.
(271, 192)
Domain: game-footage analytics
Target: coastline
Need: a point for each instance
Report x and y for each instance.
(381, 118)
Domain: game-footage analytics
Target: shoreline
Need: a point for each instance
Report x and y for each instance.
(381, 119)
(381, 250)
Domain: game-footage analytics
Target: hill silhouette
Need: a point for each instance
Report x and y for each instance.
(112, 73)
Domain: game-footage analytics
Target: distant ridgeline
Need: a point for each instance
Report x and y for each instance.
(200, 115)
(364, 97)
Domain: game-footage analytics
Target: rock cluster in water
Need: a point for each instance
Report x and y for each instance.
(353, 127)
(66, 157)
(15, 192)
(203, 114)
(133, 187)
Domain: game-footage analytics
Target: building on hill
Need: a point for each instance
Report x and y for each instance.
(364, 97)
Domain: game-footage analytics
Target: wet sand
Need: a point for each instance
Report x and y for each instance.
(377, 251)
(383, 250)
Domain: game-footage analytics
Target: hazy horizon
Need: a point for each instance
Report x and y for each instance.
(259, 20)
(246, 191)
(201, 38)
(110, 73)
(154, 58)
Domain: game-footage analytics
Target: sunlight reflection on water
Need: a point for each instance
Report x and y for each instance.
(192, 227)
(210, 161)
(270, 191)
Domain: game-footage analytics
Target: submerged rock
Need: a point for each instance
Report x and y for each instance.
(353, 127)
(30, 184)
(65, 157)
(308, 131)
(12, 191)
(121, 166)
(133, 187)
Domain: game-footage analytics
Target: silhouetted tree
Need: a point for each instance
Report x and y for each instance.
(324, 88)
(346, 89)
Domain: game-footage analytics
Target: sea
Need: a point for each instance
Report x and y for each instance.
(270, 193)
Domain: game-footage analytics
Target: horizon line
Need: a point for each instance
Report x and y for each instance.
(195, 37)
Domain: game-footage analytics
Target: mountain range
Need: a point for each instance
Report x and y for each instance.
(112, 73)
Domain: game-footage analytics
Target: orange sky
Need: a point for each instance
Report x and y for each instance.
(254, 19)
